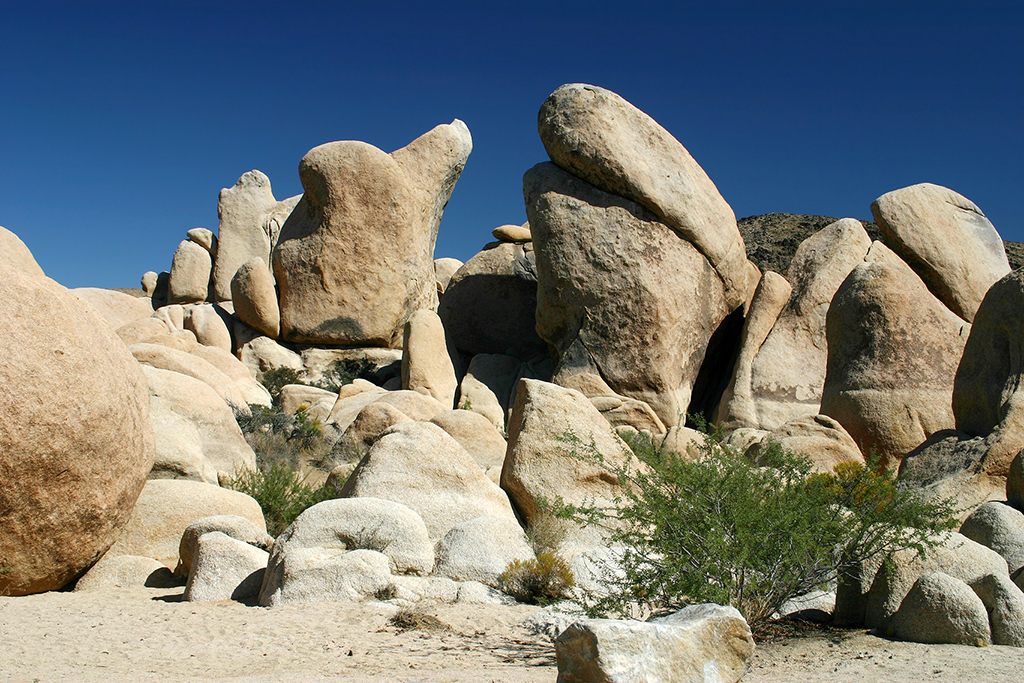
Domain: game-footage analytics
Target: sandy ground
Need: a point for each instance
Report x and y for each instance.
(148, 635)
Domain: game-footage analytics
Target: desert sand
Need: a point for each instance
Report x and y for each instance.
(148, 635)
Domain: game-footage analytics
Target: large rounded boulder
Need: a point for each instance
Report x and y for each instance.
(76, 441)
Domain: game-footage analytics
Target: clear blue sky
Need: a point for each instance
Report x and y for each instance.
(121, 121)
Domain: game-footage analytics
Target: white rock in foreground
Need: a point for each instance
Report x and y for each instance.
(700, 644)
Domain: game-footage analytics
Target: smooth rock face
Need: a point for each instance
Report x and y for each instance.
(489, 306)
(893, 349)
(124, 571)
(699, 644)
(444, 268)
(253, 391)
(488, 386)
(204, 321)
(190, 274)
(148, 282)
(224, 569)
(419, 465)
(233, 526)
(426, 365)
(620, 294)
(166, 358)
(946, 239)
(600, 137)
(76, 441)
(512, 233)
(325, 575)
(117, 308)
(255, 298)
(986, 399)
(1005, 604)
(477, 435)
(942, 609)
(249, 223)
(372, 421)
(481, 549)
(335, 263)
(998, 526)
(788, 372)
(539, 465)
(167, 507)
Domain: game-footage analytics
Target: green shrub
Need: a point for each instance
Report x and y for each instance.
(722, 529)
(275, 379)
(281, 493)
(343, 371)
(542, 581)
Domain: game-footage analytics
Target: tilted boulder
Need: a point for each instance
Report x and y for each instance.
(998, 526)
(893, 349)
(490, 303)
(335, 262)
(787, 371)
(1005, 604)
(426, 365)
(600, 137)
(620, 294)
(250, 222)
(76, 441)
(181, 362)
(444, 268)
(488, 386)
(946, 239)
(255, 298)
(478, 436)
(234, 526)
(986, 398)
(204, 238)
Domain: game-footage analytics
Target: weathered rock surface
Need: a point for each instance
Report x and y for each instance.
(481, 549)
(238, 528)
(116, 308)
(699, 643)
(893, 349)
(190, 274)
(490, 303)
(950, 464)
(167, 507)
(946, 239)
(255, 298)
(487, 388)
(204, 321)
(325, 575)
(123, 571)
(478, 436)
(818, 437)
(600, 137)
(76, 441)
(998, 526)
(986, 399)
(335, 265)
(426, 365)
(787, 371)
(250, 221)
(539, 465)
(942, 609)
(419, 465)
(166, 358)
(1005, 604)
(444, 268)
(620, 294)
(224, 568)
(235, 370)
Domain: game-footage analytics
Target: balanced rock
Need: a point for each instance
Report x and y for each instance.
(620, 294)
(444, 268)
(946, 239)
(250, 222)
(893, 349)
(426, 365)
(204, 238)
(512, 233)
(76, 441)
(489, 305)
(335, 263)
(600, 137)
(255, 298)
(190, 274)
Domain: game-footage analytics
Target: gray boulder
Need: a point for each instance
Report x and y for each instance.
(224, 568)
(942, 609)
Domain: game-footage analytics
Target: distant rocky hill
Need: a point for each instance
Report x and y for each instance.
(772, 238)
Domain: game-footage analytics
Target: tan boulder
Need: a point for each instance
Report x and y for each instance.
(252, 391)
(76, 441)
(255, 298)
(190, 274)
(620, 295)
(893, 349)
(167, 507)
(204, 238)
(818, 437)
(204, 321)
(488, 386)
(787, 371)
(600, 137)
(250, 221)
(419, 465)
(125, 571)
(148, 282)
(512, 233)
(166, 358)
(490, 303)
(444, 268)
(370, 423)
(540, 464)
(426, 365)
(334, 263)
(986, 399)
(942, 609)
(946, 239)
(260, 353)
(477, 435)
(141, 330)
(116, 308)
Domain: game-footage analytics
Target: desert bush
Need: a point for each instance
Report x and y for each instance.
(343, 371)
(281, 493)
(542, 581)
(719, 528)
(275, 379)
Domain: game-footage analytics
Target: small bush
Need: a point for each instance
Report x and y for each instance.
(542, 581)
(343, 371)
(275, 379)
(719, 528)
(281, 493)
(415, 619)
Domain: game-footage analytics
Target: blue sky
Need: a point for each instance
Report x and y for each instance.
(121, 121)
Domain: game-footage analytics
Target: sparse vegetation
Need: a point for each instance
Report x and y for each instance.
(416, 619)
(276, 379)
(542, 581)
(722, 529)
(281, 493)
(343, 371)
